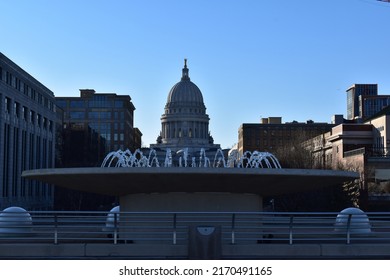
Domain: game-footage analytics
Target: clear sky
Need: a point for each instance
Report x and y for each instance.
(250, 58)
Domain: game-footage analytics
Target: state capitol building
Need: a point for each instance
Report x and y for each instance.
(185, 124)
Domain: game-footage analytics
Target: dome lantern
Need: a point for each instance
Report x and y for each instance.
(185, 75)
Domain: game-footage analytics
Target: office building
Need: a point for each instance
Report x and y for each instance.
(271, 134)
(355, 93)
(371, 105)
(27, 137)
(95, 124)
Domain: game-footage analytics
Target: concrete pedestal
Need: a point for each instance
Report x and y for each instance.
(191, 202)
(183, 212)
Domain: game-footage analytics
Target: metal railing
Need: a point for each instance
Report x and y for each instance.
(174, 227)
(382, 152)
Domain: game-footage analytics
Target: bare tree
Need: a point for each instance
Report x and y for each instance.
(352, 189)
(296, 153)
(355, 189)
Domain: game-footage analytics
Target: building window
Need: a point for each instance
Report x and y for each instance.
(32, 117)
(105, 115)
(17, 109)
(93, 115)
(61, 103)
(77, 115)
(7, 105)
(50, 126)
(99, 115)
(25, 113)
(118, 104)
(44, 124)
(39, 120)
(99, 101)
(76, 104)
(8, 78)
(32, 94)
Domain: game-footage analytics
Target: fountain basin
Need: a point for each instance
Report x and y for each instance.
(210, 184)
(122, 181)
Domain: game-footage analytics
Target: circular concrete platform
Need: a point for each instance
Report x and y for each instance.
(124, 181)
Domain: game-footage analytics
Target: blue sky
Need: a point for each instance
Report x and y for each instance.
(250, 58)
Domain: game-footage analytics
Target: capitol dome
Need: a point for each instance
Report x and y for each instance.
(185, 123)
(184, 91)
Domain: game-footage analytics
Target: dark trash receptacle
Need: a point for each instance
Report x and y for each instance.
(204, 242)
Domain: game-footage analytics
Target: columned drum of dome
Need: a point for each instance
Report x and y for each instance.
(185, 122)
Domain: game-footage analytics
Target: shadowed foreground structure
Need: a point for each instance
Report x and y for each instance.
(191, 189)
(122, 181)
(175, 235)
(201, 213)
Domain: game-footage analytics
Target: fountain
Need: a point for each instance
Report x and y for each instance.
(184, 182)
(138, 159)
